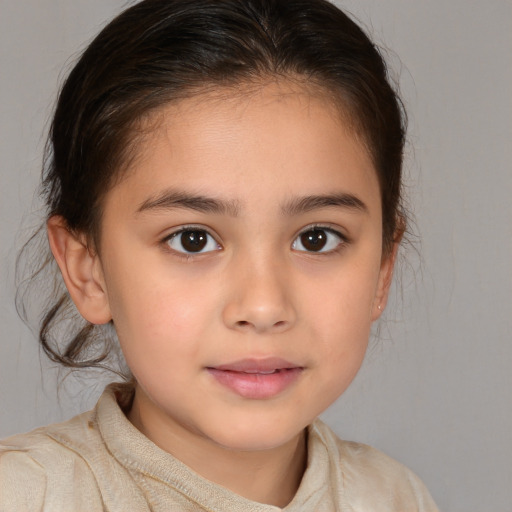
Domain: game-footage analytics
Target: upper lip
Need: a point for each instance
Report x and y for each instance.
(268, 364)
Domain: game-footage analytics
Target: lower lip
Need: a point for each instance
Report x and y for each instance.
(256, 385)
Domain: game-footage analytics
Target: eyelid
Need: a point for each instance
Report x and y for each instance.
(344, 239)
(189, 227)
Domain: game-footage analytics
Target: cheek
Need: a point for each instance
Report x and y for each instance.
(342, 299)
(159, 317)
(339, 313)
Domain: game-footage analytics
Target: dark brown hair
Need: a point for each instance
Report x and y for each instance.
(160, 51)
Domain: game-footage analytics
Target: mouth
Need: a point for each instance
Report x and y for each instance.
(257, 379)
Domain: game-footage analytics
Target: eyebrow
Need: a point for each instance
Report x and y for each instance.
(316, 202)
(173, 199)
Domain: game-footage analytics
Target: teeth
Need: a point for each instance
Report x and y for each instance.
(261, 372)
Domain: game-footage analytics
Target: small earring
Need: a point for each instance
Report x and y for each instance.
(379, 307)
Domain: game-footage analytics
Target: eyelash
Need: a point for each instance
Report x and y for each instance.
(192, 228)
(343, 240)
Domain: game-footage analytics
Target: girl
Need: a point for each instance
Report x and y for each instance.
(223, 188)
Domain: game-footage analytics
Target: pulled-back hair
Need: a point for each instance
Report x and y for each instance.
(160, 51)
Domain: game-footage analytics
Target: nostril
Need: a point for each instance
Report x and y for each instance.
(244, 324)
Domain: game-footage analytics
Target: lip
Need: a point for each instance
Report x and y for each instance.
(257, 378)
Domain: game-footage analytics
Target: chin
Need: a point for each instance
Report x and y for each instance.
(256, 436)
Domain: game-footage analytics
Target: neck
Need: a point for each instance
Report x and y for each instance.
(269, 476)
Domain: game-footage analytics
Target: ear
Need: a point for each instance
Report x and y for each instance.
(81, 270)
(385, 278)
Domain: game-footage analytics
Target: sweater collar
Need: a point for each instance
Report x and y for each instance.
(143, 458)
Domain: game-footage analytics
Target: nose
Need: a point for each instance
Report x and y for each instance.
(260, 298)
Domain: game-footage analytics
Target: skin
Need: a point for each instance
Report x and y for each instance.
(256, 294)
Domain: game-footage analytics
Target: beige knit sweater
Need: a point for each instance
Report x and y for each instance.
(98, 461)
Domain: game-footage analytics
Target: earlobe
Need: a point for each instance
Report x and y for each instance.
(385, 280)
(81, 271)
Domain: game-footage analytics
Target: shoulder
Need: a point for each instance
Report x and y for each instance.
(43, 467)
(371, 479)
(22, 478)
(50, 445)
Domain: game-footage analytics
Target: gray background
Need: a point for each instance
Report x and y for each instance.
(436, 389)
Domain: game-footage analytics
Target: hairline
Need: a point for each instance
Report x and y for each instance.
(237, 89)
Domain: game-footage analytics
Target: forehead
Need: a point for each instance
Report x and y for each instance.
(280, 135)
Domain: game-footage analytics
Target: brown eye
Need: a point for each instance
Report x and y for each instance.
(192, 241)
(314, 240)
(318, 240)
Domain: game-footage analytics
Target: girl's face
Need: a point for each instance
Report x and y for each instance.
(242, 267)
